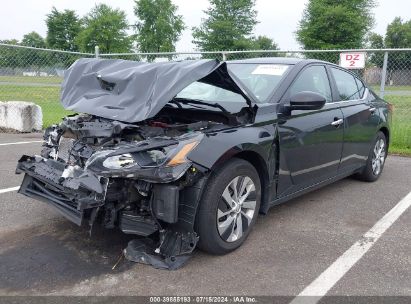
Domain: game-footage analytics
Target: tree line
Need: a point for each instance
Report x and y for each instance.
(158, 27)
(228, 25)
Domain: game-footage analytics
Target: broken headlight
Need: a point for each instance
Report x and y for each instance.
(155, 157)
(143, 159)
(119, 161)
(168, 156)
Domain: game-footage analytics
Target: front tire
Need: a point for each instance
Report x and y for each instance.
(229, 207)
(376, 159)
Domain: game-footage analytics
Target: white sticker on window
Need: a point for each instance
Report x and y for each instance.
(270, 69)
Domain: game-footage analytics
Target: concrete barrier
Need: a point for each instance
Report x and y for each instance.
(21, 116)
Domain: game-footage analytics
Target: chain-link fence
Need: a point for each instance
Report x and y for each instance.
(35, 75)
(30, 74)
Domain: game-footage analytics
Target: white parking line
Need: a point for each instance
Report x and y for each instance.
(21, 142)
(321, 285)
(9, 189)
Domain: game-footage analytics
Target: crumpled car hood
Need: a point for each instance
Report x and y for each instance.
(131, 91)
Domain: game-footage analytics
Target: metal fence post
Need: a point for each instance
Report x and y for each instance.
(384, 75)
(97, 51)
(224, 56)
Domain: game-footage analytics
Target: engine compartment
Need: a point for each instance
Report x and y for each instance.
(77, 137)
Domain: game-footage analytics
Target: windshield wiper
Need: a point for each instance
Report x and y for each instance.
(179, 100)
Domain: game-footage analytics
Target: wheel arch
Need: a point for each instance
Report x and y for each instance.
(256, 145)
(386, 132)
(260, 166)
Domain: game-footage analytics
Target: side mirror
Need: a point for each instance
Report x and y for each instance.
(307, 101)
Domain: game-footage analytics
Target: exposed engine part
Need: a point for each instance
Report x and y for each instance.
(64, 148)
(142, 187)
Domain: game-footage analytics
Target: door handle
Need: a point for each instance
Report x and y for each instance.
(372, 110)
(337, 122)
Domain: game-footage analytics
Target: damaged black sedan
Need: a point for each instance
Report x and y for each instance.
(189, 153)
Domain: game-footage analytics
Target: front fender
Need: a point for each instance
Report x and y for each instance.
(220, 146)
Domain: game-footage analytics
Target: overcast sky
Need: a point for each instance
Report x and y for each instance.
(277, 19)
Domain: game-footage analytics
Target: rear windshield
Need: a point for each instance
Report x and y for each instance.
(260, 79)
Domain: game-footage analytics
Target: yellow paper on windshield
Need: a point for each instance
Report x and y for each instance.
(270, 69)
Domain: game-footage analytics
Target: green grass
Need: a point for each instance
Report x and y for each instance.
(48, 98)
(31, 79)
(391, 88)
(401, 124)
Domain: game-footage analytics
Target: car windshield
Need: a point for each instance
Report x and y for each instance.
(209, 93)
(260, 79)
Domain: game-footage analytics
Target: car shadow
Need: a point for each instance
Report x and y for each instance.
(303, 202)
(60, 254)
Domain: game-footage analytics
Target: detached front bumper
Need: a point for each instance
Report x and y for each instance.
(73, 197)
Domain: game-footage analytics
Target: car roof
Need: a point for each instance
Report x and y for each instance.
(275, 60)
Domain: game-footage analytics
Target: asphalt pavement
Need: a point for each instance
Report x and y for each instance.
(41, 253)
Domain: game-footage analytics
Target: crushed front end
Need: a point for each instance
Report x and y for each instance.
(136, 177)
(126, 163)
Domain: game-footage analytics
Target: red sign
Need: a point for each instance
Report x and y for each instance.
(355, 60)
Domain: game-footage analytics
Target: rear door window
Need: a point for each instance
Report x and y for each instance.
(346, 85)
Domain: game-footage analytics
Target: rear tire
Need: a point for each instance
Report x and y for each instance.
(229, 207)
(376, 159)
